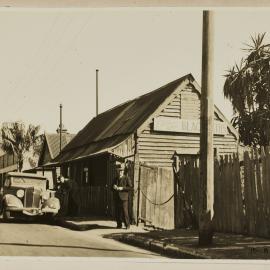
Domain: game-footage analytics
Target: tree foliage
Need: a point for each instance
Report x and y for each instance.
(18, 139)
(247, 85)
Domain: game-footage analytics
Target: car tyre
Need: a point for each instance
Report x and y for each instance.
(6, 214)
(50, 218)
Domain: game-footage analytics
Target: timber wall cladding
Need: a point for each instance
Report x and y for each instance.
(157, 148)
(126, 148)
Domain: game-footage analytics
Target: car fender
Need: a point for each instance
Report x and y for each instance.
(10, 200)
(52, 203)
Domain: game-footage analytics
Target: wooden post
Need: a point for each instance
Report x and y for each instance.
(136, 176)
(96, 92)
(206, 196)
(60, 126)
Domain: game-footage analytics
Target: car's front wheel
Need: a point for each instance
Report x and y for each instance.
(50, 217)
(6, 214)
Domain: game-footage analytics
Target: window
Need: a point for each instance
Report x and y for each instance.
(85, 175)
(216, 154)
(68, 171)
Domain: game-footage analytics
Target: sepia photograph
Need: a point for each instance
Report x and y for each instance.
(134, 133)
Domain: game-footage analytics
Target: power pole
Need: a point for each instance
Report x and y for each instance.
(206, 186)
(60, 127)
(97, 92)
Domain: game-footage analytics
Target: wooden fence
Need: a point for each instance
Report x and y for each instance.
(242, 193)
(186, 193)
(156, 191)
(90, 200)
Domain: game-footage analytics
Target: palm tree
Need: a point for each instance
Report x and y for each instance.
(247, 85)
(18, 140)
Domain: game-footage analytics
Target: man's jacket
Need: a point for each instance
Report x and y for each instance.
(126, 184)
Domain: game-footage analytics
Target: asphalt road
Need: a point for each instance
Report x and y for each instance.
(32, 239)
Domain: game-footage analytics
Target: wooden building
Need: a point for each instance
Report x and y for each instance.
(8, 163)
(151, 129)
(49, 150)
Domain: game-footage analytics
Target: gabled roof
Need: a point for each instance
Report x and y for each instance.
(52, 140)
(115, 125)
(112, 127)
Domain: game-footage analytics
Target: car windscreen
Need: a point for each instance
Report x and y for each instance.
(25, 182)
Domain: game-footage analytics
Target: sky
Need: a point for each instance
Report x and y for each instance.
(49, 56)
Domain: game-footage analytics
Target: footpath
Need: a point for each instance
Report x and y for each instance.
(178, 243)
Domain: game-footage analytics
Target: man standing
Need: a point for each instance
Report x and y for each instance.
(122, 186)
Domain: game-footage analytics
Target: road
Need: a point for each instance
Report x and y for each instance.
(32, 239)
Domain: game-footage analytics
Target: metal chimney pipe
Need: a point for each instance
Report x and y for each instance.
(60, 126)
(97, 92)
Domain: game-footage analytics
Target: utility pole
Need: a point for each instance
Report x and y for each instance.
(60, 126)
(97, 92)
(206, 186)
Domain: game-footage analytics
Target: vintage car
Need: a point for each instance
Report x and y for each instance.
(27, 194)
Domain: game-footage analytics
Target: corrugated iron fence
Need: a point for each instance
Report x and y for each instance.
(242, 193)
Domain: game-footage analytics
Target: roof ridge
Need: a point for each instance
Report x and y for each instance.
(140, 107)
(146, 94)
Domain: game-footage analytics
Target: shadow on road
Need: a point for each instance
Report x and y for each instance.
(75, 247)
(29, 221)
(57, 222)
(80, 227)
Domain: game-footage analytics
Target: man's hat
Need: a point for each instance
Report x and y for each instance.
(120, 167)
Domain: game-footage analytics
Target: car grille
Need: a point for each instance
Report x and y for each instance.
(32, 198)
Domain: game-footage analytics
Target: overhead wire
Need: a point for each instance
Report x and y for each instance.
(23, 78)
(57, 60)
(38, 69)
(51, 54)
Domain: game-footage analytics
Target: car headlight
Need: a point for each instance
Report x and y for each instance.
(20, 193)
(45, 196)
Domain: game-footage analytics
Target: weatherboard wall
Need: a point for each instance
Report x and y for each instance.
(158, 147)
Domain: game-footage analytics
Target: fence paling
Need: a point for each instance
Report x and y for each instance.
(216, 204)
(225, 197)
(267, 184)
(261, 226)
(252, 196)
(239, 199)
(264, 184)
(229, 195)
(233, 196)
(180, 212)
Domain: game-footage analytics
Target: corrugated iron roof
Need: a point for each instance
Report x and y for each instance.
(53, 142)
(2, 152)
(113, 126)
